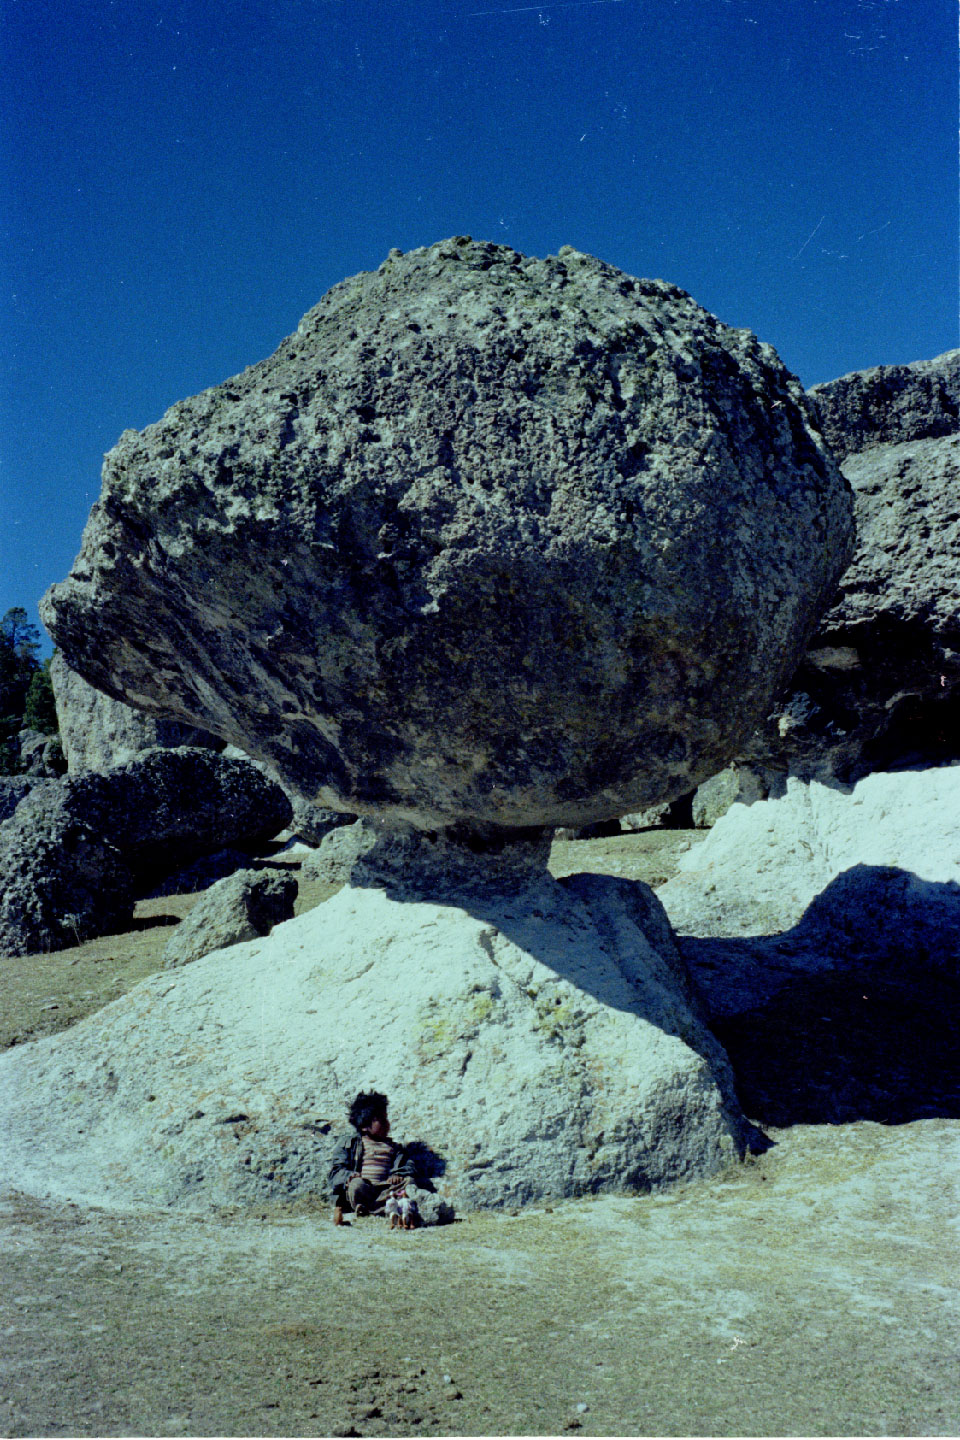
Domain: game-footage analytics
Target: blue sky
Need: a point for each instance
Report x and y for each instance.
(180, 181)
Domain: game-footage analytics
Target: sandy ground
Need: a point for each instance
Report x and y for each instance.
(811, 1291)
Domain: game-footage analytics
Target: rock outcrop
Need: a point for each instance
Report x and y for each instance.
(762, 865)
(879, 686)
(890, 405)
(74, 849)
(98, 732)
(542, 1045)
(241, 907)
(41, 755)
(823, 930)
(490, 542)
(13, 789)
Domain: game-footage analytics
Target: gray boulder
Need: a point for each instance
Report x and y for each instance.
(98, 731)
(241, 907)
(62, 880)
(737, 784)
(490, 542)
(890, 405)
(41, 756)
(74, 850)
(879, 686)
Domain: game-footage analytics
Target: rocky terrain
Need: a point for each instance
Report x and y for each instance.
(494, 545)
(796, 1294)
(878, 686)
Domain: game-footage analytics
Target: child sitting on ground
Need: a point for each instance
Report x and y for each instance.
(368, 1168)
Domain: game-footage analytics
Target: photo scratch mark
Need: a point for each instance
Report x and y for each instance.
(551, 5)
(809, 237)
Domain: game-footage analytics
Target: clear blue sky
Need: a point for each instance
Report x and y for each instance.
(181, 179)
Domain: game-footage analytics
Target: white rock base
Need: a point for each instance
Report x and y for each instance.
(762, 865)
(543, 1045)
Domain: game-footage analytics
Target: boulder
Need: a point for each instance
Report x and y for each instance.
(762, 865)
(73, 850)
(890, 405)
(823, 930)
(62, 880)
(241, 907)
(489, 543)
(98, 731)
(40, 755)
(879, 686)
(339, 850)
(735, 785)
(538, 1045)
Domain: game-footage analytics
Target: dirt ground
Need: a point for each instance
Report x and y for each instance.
(811, 1291)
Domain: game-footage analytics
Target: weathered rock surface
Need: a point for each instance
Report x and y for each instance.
(879, 686)
(62, 880)
(74, 848)
(489, 542)
(243, 906)
(98, 731)
(40, 755)
(890, 404)
(762, 865)
(823, 930)
(13, 789)
(545, 1044)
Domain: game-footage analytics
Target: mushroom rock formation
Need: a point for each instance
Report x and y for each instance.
(490, 543)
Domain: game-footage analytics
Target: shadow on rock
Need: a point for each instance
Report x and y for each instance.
(854, 1014)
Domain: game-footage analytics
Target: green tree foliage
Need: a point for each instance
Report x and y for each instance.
(26, 697)
(40, 712)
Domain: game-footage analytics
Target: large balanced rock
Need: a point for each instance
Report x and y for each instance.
(544, 1043)
(490, 541)
(879, 686)
(241, 907)
(74, 849)
(98, 731)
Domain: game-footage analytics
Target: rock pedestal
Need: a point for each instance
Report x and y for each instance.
(538, 1045)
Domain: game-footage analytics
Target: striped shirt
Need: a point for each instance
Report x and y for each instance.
(376, 1159)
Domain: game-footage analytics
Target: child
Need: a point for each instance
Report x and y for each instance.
(368, 1168)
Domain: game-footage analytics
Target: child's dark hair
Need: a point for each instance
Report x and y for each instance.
(366, 1108)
